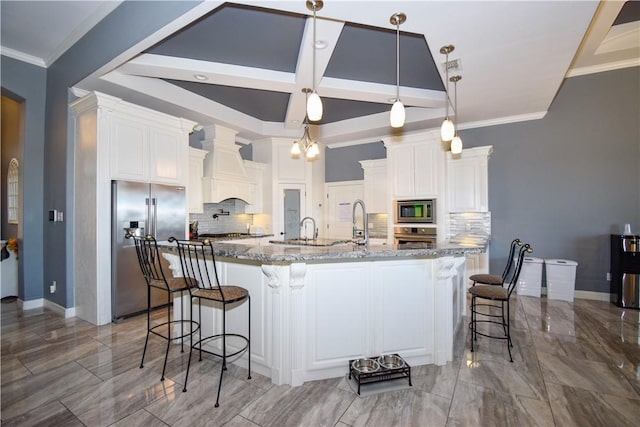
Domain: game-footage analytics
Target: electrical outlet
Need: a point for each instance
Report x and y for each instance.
(52, 288)
(608, 277)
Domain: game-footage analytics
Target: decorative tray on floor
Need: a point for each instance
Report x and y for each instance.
(387, 367)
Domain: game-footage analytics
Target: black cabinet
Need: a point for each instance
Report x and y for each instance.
(625, 269)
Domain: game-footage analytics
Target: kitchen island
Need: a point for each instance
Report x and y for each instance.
(314, 308)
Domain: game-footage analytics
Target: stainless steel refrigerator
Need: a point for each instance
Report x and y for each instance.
(159, 210)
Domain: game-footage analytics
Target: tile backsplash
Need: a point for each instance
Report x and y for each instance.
(236, 221)
(476, 223)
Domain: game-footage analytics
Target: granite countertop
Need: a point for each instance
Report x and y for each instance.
(269, 253)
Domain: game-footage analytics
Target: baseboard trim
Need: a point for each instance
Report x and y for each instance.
(31, 304)
(45, 303)
(592, 295)
(62, 311)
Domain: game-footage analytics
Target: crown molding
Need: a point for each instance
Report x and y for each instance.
(600, 68)
(20, 56)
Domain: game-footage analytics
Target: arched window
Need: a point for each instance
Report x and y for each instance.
(13, 192)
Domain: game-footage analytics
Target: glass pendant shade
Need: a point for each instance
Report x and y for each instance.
(313, 151)
(314, 107)
(448, 130)
(456, 145)
(295, 150)
(396, 119)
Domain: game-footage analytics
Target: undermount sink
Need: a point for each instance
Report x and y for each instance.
(311, 242)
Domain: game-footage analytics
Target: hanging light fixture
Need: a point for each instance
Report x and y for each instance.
(308, 144)
(396, 118)
(314, 103)
(447, 130)
(456, 142)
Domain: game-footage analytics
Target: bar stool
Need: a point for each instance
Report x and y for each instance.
(153, 272)
(198, 262)
(496, 293)
(493, 279)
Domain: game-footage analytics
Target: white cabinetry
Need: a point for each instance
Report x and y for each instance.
(467, 180)
(194, 185)
(115, 140)
(415, 167)
(255, 172)
(376, 193)
(146, 146)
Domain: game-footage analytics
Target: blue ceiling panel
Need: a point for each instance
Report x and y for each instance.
(264, 105)
(239, 35)
(369, 54)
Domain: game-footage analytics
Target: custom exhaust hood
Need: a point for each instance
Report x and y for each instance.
(225, 175)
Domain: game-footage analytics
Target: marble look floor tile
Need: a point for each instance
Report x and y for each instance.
(59, 353)
(117, 398)
(18, 342)
(196, 406)
(50, 414)
(438, 380)
(310, 404)
(474, 405)
(140, 418)
(113, 361)
(577, 407)
(587, 375)
(504, 377)
(239, 421)
(399, 408)
(576, 348)
(31, 392)
(12, 369)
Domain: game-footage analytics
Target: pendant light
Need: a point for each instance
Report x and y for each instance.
(447, 130)
(456, 142)
(314, 103)
(308, 144)
(396, 118)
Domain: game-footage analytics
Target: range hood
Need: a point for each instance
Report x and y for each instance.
(225, 175)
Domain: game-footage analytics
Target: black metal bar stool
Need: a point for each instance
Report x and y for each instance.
(153, 272)
(198, 262)
(493, 279)
(495, 293)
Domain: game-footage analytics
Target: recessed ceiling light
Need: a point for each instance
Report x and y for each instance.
(200, 77)
(321, 44)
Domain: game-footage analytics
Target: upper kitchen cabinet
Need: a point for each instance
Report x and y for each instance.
(145, 145)
(194, 185)
(467, 180)
(376, 194)
(415, 164)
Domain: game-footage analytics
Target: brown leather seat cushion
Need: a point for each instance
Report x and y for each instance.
(486, 279)
(489, 292)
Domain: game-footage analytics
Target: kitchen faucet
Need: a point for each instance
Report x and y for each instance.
(315, 229)
(365, 226)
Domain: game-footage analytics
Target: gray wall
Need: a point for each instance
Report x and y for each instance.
(565, 182)
(25, 82)
(341, 164)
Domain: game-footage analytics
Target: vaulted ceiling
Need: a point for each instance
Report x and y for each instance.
(244, 64)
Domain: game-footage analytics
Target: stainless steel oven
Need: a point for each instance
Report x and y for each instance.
(415, 211)
(415, 236)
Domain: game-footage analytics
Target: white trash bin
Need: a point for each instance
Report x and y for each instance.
(530, 280)
(561, 278)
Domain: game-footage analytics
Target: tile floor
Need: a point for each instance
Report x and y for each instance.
(574, 365)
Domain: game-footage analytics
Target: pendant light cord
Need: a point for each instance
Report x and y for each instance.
(398, 59)
(314, 49)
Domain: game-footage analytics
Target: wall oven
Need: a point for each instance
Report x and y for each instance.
(415, 236)
(415, 211)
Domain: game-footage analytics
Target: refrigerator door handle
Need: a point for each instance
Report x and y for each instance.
(149, 224)
(154, 211)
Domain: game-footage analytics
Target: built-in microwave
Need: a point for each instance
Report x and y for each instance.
(416, 211)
